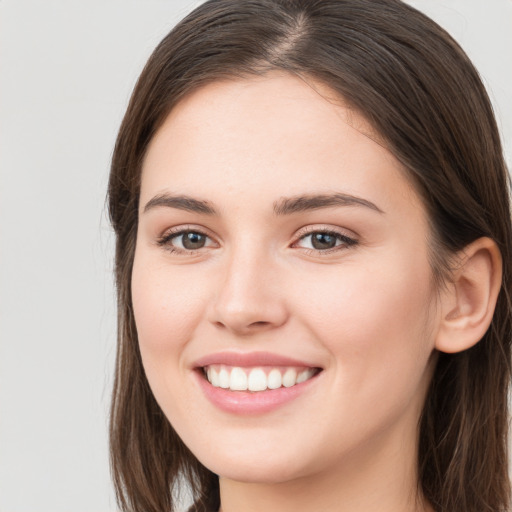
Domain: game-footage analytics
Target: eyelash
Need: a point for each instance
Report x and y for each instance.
(165, 240)
(345, 241)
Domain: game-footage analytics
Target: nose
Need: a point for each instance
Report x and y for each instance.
(250, 297)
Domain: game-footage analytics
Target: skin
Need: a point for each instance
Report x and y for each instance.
(366, 313)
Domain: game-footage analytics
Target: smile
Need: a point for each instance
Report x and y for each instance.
(254, 383)
(236, 378)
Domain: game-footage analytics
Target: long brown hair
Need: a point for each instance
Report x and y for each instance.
(420, 92)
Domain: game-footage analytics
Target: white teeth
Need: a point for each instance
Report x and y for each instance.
(304, 375)
(223, 378)
(256, 379)
(289, 378)
(238, 381)
(275, 380)
(214, 377)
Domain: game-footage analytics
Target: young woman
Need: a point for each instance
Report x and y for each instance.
(313, 266)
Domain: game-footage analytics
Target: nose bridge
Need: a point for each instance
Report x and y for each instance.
(248, 297)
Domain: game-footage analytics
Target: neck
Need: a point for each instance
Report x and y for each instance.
(375, 479)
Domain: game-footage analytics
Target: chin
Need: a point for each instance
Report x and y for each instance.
(256, 472)
(253, 465)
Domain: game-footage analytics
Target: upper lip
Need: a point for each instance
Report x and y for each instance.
(250, 359)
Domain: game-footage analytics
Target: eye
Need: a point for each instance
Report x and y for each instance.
(325, 241)
(186, 241)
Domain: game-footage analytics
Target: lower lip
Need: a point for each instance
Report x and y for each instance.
(246, 402)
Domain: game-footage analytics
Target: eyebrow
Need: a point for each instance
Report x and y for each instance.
(181, 203)
(287, 206)
(284, 206)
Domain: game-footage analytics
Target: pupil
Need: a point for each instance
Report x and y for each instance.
(193, 240)
(323, 241)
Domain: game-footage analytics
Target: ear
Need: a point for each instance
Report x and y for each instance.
(468, 302)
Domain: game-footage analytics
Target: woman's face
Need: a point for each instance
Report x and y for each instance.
(280, 247)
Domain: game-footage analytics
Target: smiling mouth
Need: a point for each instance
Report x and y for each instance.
(256, 379)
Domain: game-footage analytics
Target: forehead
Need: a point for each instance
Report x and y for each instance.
(273, 99)
(271, 133)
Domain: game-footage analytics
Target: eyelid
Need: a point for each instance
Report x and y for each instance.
(165, 238)
(348, 237)
(325, 228)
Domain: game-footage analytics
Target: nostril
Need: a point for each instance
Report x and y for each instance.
(244, 329)
(258, 324)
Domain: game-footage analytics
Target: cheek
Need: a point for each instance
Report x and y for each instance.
(376, 321)
(355, 300)
(167, 304)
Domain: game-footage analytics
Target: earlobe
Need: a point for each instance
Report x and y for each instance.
(468, 302)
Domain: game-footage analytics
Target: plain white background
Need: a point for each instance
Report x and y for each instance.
(67, 68)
